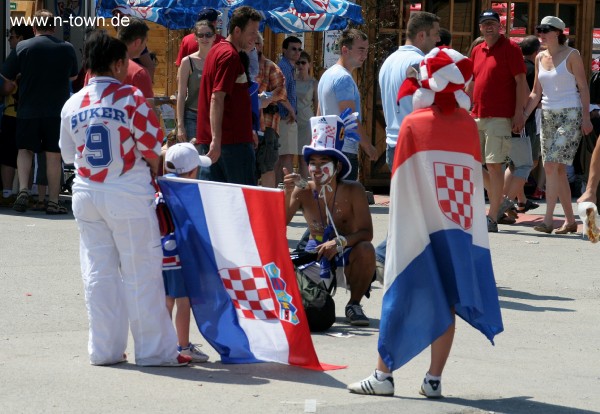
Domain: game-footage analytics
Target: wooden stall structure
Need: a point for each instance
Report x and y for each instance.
(386, 26)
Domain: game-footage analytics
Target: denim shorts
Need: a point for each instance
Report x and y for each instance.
(267, 152)
(189, 123)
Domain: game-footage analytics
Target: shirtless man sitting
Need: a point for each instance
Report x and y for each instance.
(328, 197)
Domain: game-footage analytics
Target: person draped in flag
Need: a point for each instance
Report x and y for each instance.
(111, 134)
(337, 214)
(438, 262)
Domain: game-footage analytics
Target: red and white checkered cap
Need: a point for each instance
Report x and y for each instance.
(443, 71)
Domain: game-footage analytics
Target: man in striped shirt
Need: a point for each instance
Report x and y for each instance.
(270, 79)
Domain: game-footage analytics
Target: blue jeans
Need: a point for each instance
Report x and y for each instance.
(353, 158)
(382, 247)
(236, 165)
(389, 156)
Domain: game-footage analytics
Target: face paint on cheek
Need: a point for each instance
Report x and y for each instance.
(328, 170)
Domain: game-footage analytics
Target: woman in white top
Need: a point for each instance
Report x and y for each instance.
(188, 79)
(561, 84)
(306, 92)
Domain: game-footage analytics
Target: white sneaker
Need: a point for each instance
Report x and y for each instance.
(180, 361)
(372, 386)
(431, 388)
(194, 352)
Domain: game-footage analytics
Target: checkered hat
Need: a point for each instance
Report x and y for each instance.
(328, 139)
(443, 75)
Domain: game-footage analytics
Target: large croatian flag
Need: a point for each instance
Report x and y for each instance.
(438, 249)
(238, 273)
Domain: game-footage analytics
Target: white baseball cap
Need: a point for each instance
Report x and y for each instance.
(554, 22)
(183, 157)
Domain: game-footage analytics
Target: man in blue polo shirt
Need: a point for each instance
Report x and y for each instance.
(423, 31)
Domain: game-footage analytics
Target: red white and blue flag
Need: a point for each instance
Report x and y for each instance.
(438, 255)
(238, 273)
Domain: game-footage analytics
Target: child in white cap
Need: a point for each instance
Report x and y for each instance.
(183, 161)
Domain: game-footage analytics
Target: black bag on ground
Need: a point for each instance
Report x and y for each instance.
(316, 298)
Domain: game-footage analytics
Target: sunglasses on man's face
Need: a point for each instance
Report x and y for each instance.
(295, 49)
(202, 35)
(301, 62)
(541, 29)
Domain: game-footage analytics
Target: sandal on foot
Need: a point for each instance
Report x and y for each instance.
(567, 228)
(525, 207)
(506, 219)
(55, 208)
(22, 201)
(39, 206)
(544, 228)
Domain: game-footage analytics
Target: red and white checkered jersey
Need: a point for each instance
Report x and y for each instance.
(107, 129)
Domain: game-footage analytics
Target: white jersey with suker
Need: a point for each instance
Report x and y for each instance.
(107, 129)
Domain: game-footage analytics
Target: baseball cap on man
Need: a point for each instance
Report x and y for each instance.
(183, 157)
(489, 15)
(554, 22)
(208, 13)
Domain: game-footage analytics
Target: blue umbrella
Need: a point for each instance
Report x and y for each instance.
(280, 15)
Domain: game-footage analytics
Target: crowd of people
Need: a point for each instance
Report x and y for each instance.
(247, 120)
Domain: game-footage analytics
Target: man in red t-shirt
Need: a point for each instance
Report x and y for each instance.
(499, 92)
(224, 126)
(135, 36)
(189, 44)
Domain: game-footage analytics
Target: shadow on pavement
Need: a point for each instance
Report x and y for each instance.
(379, 210)
(515, 405)
(37, 215)
(343, 328)
(509, 293)
(530, 308)
(240, 374)
(515, 294)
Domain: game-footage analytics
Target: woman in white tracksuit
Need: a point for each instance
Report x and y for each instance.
(113, 137)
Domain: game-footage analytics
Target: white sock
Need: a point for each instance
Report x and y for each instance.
(6, 193)
(432, 378)
(380, 375)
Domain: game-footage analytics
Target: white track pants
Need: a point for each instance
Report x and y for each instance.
(121, 262)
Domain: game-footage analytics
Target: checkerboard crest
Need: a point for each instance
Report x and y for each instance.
(250, 292)
(454, 185)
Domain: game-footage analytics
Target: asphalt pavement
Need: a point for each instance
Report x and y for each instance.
(546, 361)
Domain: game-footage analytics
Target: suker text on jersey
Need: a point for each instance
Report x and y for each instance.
(88, 114)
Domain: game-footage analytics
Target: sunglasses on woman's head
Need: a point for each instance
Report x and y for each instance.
(207, 35)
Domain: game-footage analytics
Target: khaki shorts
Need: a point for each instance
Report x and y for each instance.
(288, 138)
(495, 139)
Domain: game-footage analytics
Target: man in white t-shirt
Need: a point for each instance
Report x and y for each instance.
(338, 92)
